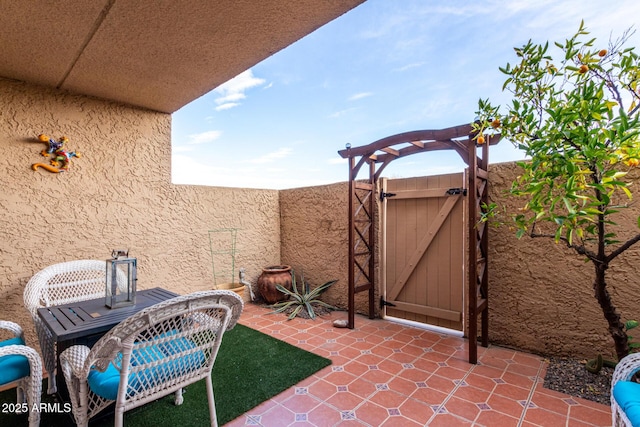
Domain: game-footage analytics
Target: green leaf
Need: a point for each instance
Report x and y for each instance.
(324, 304)
(568, 205)
(301, 300)
(576, 140)
(295, 312)
(630, 324)
(312, 314)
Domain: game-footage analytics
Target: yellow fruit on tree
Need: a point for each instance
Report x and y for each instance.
(481, 140)
(602, 53)
(583, 69)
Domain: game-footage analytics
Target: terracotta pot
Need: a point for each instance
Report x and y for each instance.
(272, 276)
(234, 287)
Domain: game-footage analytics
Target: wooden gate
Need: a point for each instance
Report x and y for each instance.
(423, 247)
(362, 215)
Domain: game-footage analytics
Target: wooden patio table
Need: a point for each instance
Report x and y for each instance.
(84, 322)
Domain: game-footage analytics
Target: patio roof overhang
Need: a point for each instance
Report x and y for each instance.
(159, 55)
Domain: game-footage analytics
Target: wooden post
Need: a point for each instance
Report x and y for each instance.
(485, 250)
(352, 290)
(372, 239)
(472, 239)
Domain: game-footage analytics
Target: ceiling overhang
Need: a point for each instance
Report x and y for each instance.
(156, 54)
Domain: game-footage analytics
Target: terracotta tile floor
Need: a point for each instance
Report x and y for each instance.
(386, 374)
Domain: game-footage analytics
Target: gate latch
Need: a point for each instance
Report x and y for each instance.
(456, 191)
(383, 195)
(384, 303)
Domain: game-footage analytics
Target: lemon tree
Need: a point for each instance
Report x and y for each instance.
(576, 118)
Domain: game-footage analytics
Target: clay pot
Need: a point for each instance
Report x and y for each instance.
(234, 287)
(272, 276)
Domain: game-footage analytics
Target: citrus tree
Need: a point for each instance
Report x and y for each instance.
(576, 118)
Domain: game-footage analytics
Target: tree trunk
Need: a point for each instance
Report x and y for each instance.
(616, 327)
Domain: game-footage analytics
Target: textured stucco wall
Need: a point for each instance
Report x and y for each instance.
(541, 293)
(315, 239)
(541, 297)
(118, 195)
(314, 233)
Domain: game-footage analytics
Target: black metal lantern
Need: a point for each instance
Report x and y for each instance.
(120, 289)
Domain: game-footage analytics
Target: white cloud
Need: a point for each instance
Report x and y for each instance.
(227, 106)
(201, 138)
(234, 90)
(409, 66)
(232, 97)
(341, 113)
(273, 156)
(239, 83)
(360, 96)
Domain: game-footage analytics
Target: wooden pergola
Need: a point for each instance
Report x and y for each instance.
(362, 201)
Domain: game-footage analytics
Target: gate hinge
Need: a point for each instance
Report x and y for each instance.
(456, 191)
(383, 195)
(384, 303)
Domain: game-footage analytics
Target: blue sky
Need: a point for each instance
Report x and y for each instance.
(385, 67)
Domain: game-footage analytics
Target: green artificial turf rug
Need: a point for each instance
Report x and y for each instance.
(251, 367)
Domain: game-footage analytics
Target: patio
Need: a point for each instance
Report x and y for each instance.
(386, 374)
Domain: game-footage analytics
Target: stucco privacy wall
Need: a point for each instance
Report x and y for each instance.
(541, 297)
(541, 293)
(118, 195)
(315, 239)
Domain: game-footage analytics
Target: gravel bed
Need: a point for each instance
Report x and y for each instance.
(570, 376)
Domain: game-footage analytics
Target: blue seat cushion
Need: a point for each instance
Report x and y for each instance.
(105, 384)
(13, 367)
(186, 362)
(627, 394)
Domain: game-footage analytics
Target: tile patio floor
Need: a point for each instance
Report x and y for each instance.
(386, 374)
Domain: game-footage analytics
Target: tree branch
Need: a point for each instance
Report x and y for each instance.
(624, 247)
(580, 249)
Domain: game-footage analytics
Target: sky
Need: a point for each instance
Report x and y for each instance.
(383, 68)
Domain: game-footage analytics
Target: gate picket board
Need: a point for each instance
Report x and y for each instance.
(424, 247)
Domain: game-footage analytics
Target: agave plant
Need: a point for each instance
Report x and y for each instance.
(306, 299)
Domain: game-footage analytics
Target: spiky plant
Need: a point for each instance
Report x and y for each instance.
(305, 298)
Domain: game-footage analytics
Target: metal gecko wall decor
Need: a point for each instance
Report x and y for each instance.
(60, 158)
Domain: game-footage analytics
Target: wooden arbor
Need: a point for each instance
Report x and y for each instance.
(362, 202)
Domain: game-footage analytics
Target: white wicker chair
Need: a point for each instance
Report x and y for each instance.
(624, 371)
(153, 353)
(14, 358)
(59, 284)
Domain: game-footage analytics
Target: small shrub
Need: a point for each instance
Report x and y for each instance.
(306, 298)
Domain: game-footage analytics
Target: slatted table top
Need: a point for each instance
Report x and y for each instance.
(79, 319)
